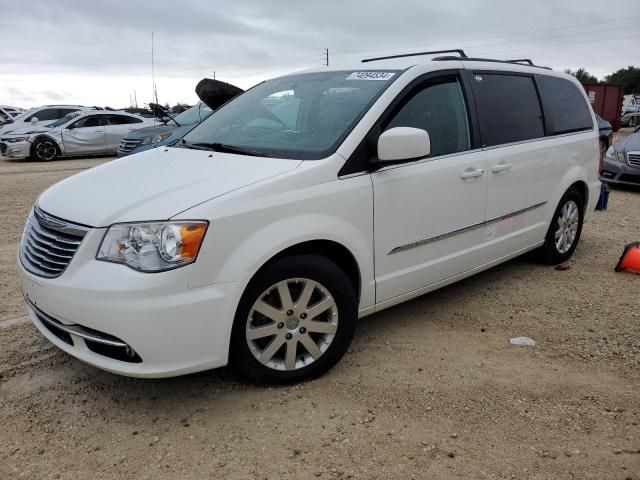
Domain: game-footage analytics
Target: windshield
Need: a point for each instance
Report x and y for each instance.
(193, 115)
(303, 116)
(63, 120)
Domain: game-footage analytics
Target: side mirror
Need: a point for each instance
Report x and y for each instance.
(34, 120)
(403, 143)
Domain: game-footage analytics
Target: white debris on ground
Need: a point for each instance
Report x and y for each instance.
(524, 341)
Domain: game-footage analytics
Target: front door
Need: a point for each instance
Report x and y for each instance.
(427, 213)
(85, 136)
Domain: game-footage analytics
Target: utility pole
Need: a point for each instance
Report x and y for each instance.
(214, 74)
(326, 56)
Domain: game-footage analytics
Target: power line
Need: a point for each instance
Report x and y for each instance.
(532, 32)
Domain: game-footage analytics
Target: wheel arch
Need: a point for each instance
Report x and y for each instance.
(44, 136)
(334, 251)
(583, 189)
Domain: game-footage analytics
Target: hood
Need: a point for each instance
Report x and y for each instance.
(31, 129)
(629, 144)
(154, 185)
(150, 131)
(215, 93)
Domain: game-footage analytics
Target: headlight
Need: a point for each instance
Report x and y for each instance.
(153, 246)
(155, 138)
(16, 139)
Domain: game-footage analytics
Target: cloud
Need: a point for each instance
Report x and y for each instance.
(250, 40)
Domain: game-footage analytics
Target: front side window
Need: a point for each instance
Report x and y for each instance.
(440, 109)
(508, 108)
(565, 108)
(91, 121)
(304, 116)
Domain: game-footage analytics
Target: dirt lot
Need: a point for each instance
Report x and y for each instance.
(430, 389)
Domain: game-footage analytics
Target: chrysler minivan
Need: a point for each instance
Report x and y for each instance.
(306, 203)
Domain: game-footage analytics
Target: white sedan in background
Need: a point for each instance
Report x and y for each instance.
(88, 132)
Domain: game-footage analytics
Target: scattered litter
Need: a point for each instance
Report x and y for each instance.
(630, 259)
(525, 341)
(564, 266)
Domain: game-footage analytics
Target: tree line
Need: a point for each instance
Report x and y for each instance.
(628, 77)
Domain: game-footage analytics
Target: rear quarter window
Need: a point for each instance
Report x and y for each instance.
(565, 108)
(508, 108)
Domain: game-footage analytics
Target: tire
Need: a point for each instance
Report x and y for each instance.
(284, 352)
(633, 121)
(44, 150)
(564, 231)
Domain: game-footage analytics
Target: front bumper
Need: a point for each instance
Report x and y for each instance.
(619, 173)
(172, 328)
(17, 150)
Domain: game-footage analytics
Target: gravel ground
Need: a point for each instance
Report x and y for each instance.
(430, 389)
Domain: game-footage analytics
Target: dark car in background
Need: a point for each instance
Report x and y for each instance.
(621, 163)
(212, 93)
(163, 133)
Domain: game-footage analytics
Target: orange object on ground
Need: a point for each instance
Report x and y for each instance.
(630, 259)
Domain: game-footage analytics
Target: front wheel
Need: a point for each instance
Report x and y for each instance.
(44, 150)
(295, 320)
(565, 229)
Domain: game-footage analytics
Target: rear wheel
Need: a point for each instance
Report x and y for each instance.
(44, 150)
(565, 229)
(295, 321)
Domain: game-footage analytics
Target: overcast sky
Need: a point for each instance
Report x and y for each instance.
(98, 52)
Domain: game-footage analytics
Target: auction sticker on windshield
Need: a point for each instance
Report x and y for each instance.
(370, 76)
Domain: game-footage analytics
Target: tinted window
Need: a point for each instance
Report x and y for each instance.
(44, 115)
(92, 121)
(565, 108)
(440, 110)
(65, 111)
(508, 108)
(122, 120)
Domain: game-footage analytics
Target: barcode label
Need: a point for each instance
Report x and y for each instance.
(371, 76)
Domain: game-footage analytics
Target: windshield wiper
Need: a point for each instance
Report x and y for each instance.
(223, 147)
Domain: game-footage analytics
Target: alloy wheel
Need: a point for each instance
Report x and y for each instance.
(292, 324)
(567, 230)
(46, 150)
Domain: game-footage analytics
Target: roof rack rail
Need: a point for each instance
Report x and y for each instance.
(455, 50)
(522, 60)
(477, 59)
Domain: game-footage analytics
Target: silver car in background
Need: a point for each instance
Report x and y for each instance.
(87, 132)
(621, 163)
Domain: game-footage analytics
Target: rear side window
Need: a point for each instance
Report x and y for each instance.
(508, 108)
(122, 120)
(565, 108)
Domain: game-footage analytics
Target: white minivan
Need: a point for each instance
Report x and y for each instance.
(303, 204)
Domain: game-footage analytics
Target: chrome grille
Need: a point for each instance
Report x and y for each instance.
(633, 159)
(126, 145)
(48, 244)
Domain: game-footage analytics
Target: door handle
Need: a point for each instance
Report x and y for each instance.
(471, 173)
(501, 167)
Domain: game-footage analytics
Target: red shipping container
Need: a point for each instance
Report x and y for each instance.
(606, 100)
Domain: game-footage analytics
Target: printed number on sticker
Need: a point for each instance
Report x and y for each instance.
(370, 76)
